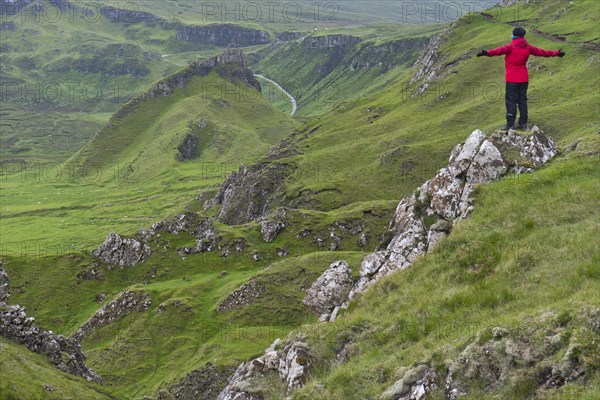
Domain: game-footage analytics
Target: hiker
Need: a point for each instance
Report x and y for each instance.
(517, 76)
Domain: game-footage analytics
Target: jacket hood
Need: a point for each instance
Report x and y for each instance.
(520, 42)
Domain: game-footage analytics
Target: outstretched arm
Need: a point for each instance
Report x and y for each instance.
(498, 51)
(545, 53)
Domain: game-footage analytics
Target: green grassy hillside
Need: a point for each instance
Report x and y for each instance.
(19, 366)
(525, 259)
(64, 73)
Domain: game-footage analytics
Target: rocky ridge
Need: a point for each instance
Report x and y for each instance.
(122, 306)
(64, 353)
(433, 63)
(426, 217)
(231, 65)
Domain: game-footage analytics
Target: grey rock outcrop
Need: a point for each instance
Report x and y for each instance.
(330, 290)
(433, 63)
(231, 65)
(124, 252)
(185, 222)
(291, 363)
(250, 193)
(207, 238)
(4, 289)
(63, 352)
(446, 199)
(272, 225)
(289, 36)
(122, 306)
(414, 384)
(386, 55)
(187, 149)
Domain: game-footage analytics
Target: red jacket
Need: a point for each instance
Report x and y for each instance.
(517, 54)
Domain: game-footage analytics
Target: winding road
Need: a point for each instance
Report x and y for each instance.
(292, 99)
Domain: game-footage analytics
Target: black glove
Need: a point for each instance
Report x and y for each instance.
(482, 53)
(561, 53)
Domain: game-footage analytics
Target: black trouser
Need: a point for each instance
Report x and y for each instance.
(516, 93)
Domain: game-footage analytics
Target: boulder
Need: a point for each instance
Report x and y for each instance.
(330, 290)
(124, 252)
(272, 225)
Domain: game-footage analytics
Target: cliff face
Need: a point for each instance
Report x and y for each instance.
(386, 55)
(330, 41)
(224, 35)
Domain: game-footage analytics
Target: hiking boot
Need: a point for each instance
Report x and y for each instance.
(507, 127)
(521, 127)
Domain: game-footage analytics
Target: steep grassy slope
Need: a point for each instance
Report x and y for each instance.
(353, 164)
(19, 365)
(521, 262)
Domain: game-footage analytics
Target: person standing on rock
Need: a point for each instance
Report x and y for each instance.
(517, 76)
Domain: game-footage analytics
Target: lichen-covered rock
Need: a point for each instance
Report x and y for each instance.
(537, 148)
(272, 225)
(446, 199)
(445, 190)
(125, 304)
(487, 165)
(330, 290)
(414, 384)
(369, 266)
(463, 155)
(207, 238)
(124, 252)
(291, 363)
